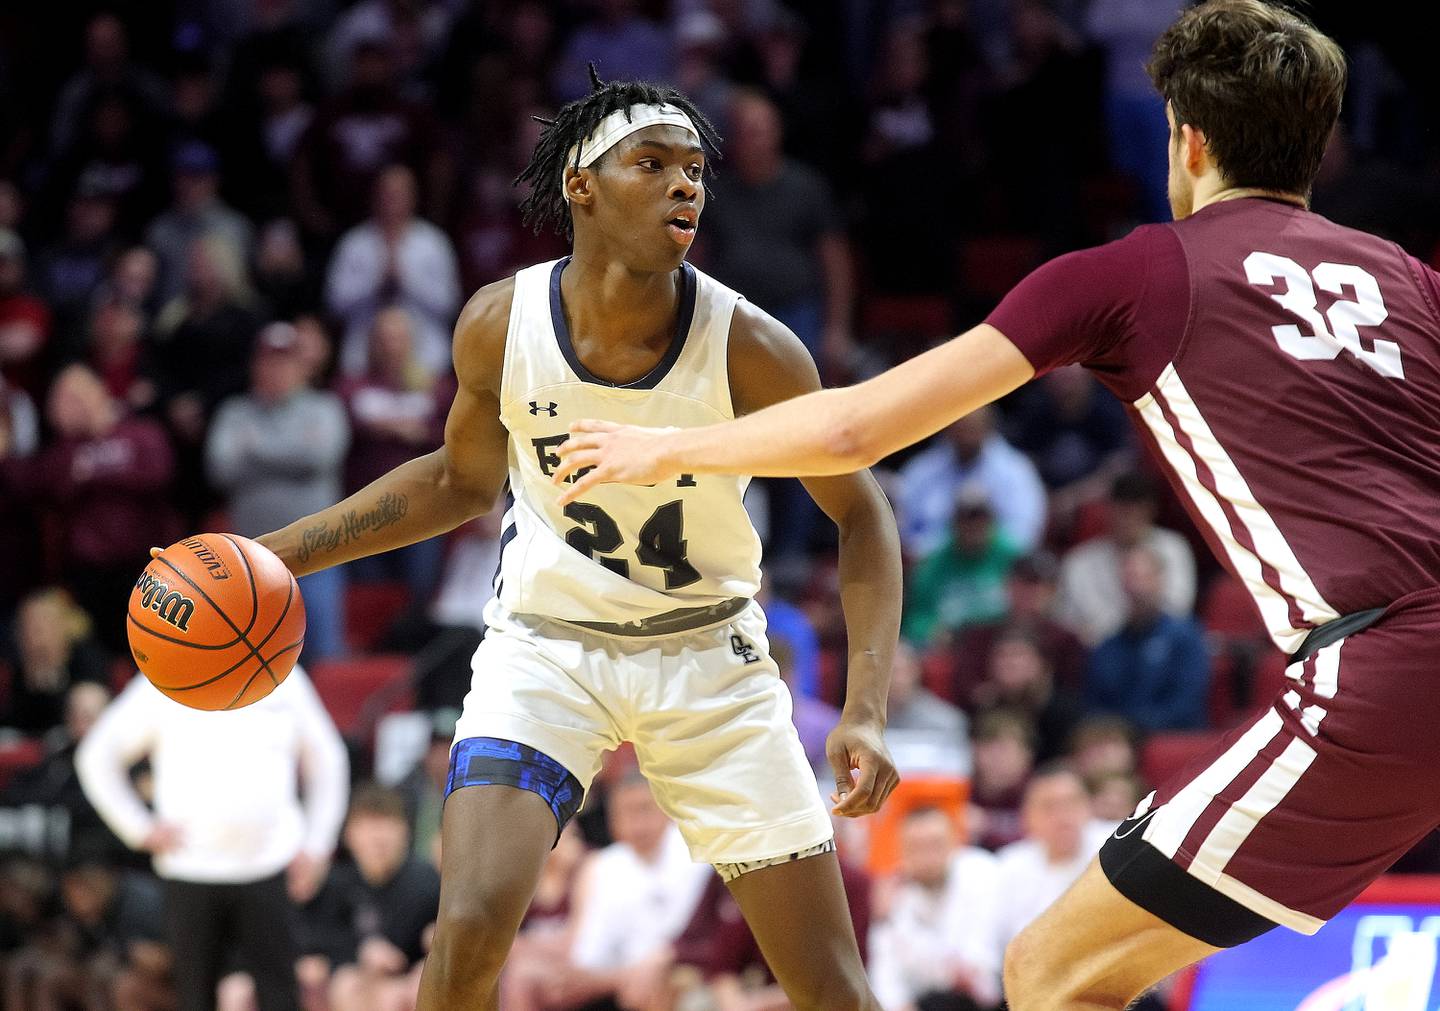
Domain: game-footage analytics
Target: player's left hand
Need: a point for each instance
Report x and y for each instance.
(609, 453)
(864, 772)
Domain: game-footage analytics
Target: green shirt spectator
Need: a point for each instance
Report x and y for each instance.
(961, 583)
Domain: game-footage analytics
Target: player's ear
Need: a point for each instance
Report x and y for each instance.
(578, 185)
(1193, 149)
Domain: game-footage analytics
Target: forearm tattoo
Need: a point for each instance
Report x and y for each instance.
(322, 537)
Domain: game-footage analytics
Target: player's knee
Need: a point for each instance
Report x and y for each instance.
(1028, 978)
(1036, 980)
(473, 934)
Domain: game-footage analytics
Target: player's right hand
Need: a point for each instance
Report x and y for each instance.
(865, 774)
(602, 452)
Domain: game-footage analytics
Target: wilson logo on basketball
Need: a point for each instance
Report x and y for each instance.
(214, 565)
(169, 604)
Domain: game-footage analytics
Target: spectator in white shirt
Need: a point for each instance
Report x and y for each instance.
(394, 258)
(1091, 601)
(632, 898)
(1060, 840)
(935, 949)
(970, 453)
(232, 841)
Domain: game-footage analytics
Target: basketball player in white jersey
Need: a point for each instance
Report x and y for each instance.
(628, 615)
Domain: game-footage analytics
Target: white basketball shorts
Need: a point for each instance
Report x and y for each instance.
(706, 710)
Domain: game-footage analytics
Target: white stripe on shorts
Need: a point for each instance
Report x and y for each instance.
(1325, 685)
(1236, 824)
(1174, 819)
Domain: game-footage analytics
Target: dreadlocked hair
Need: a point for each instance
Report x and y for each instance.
(544, 206)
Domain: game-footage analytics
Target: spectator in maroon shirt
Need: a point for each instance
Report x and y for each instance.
(24, 319)
(718, 949)
(19, 526)
(397, 412)
(365, 128)
(105, 478)
(116, 353)
(1021, 677)
(1004, 758)
(1032, 587)
(544, 938)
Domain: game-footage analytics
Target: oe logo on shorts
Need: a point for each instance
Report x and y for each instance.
(743, 649)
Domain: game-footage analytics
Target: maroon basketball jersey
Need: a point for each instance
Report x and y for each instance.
(1286, 370)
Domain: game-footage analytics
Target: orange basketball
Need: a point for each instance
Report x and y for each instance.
(216, 621)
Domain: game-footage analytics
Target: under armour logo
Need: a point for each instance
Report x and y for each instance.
(743, 649)
(552, 409)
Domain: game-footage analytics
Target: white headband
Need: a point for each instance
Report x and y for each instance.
(617, 126)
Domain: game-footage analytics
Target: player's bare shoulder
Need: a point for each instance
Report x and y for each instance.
(766, 361)
(479, 347)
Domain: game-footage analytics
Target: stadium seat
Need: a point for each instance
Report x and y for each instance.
(948, 793)
(1228, 610)
(121, 671)
(991, 265)
(906, 323)
(1248, 670)
(370, 610)
(1091, 519)
(357, 691)
(1165, 754)
(17, 756)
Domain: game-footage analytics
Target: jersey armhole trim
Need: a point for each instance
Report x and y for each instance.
(512, 328)
(724, 356)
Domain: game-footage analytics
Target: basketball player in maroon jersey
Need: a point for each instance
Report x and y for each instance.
(1286, 372)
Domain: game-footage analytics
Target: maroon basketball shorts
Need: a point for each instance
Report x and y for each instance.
(1287, 819)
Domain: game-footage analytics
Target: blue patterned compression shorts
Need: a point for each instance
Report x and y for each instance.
(483, 761)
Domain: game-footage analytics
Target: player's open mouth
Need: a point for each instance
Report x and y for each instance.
(681, 228)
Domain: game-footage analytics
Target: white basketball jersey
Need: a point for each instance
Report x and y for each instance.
(622, 554)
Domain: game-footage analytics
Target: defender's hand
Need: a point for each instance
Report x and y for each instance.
(610, 454)
(864, 772)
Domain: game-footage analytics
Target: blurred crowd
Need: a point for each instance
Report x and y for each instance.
(234, 237)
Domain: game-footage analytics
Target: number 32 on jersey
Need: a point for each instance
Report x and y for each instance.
(1345, 316)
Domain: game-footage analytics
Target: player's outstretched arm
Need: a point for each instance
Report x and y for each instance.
(434, 493)
(826, 432)
(769, 365)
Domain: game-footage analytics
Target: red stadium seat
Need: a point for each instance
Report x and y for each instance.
(991, 265)
(1228, 609)
(357, 691)
(1165, 754)
(370, 610)
(1249, 670)
(1091, 519)
(17, 756)
(121, 671)
(907, 323)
